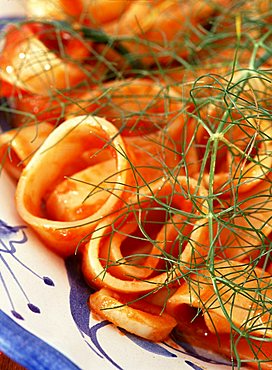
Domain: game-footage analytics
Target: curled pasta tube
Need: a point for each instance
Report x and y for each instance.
(149, 260)
(106, 244)
(151, 119)
(161, 26)
(245, 297)
(137, 106)
(145, 320)
(62, 154)
(149, 235)
(17, 146)
(27, 64)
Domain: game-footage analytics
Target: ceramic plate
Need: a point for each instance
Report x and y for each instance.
(44, 319)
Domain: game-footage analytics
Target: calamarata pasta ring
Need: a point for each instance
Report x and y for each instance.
(66, 145)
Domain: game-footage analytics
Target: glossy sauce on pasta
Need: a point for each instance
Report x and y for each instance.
(156, 139)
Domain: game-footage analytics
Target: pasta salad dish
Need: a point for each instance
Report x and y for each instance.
(138, 134)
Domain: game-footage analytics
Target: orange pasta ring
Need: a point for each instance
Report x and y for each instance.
(153, 121)
(28, 64)
(135, 106)
(244, 292)
(140, 263)
(145, 320)
(99, 265)
(158, 30)
(62, 154)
